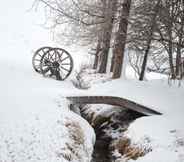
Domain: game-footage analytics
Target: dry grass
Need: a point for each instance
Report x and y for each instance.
(76, 135)
(129, 151)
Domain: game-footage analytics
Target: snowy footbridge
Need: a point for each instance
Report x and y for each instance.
(112, 100)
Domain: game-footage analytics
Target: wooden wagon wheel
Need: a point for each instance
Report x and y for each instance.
(36, 59)
(56, 62)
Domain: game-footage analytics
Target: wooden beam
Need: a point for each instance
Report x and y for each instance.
(111, 100)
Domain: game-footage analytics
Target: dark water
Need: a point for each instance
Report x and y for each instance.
(120, 122)
(101, 149)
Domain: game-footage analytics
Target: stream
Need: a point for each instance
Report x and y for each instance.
(111, 129)
(101, 148)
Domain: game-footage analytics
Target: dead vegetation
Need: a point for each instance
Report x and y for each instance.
(79, 81)
(76, 132)
(129, 151)
(77, 137)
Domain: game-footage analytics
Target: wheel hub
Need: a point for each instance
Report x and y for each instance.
(55, 64)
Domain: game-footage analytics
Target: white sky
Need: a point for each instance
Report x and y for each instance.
(22, 32)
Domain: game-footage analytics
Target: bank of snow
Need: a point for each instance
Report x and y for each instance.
(35, 124)
(163, 134)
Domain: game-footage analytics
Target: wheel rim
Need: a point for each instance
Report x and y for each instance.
(57, 63)
(36, 59)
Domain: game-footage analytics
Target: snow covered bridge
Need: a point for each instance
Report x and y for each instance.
(112, 100)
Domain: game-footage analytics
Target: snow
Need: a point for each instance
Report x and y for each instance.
(164, 134)
(35, 123)
(153, 94)
(33, 118)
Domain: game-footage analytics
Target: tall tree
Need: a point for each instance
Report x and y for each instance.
(120, 40)
(109, 14)
(96, 60)
(150, 38)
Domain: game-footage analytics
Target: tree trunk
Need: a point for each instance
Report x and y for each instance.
(107, 32)
(171, 60)
(96, 61)
(120, 40)
(143, 68)
(112, 63)
(104, 54)
(178, 62)
(178, 71)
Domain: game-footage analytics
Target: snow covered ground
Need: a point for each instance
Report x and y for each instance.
(163, 134)
(35, 125)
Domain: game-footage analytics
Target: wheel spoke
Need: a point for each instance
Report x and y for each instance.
(56, 62)
(47, 55)
(37, 57)
(64, 68)
(36, 60)
(43, 51)
(37, 67)
(57, 54)
(65, 64)
(65, 58)
(52, 57)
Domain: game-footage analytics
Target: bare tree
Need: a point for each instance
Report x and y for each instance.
(171, 34)
(88, 22)
(120, 40)
(150, 37)
(97, 52)
(75, 20)
(109, 13)
(158, 34)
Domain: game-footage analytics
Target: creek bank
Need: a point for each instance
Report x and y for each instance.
(109, 123)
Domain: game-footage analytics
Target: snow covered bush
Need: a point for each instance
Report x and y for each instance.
(79, 81)
(86, 77)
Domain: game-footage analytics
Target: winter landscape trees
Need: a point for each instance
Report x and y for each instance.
(150, 32)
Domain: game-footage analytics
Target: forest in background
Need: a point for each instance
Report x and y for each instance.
(149, 33)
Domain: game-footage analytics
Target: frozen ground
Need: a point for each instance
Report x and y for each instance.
(164, 134)
(34, 125)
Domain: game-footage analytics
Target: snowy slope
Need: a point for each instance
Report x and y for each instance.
(35, 125)
(163, 134)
